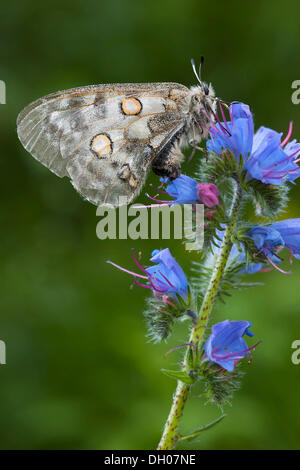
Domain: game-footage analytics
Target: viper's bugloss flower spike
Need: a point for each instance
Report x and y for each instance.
(271, 238)
(165, 278)
(186, 190)
(266, 157)
(226, 345)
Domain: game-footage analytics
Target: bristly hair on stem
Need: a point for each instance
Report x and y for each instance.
(219, 385)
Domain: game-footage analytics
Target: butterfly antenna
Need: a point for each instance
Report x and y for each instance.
(195, 71)
(200, 68)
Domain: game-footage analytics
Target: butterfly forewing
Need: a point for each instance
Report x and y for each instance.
(104, 137)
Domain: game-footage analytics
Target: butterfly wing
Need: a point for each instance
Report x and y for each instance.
(103, 137)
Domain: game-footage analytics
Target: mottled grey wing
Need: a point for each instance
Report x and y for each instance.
(103, 137)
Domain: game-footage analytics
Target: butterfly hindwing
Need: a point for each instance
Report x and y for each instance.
(104, 137)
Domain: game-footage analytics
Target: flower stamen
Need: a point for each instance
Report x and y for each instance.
(223, 115)
(276, 266)
(236, 354)
(126, 270)
(288, 135)
(181, 346)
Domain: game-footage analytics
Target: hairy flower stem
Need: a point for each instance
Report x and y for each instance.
(170, 433)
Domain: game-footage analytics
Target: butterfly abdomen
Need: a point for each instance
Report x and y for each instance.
(167, 162)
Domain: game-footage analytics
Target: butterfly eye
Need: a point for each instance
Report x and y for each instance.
(206, 90)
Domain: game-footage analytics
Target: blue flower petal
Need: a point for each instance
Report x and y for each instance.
(183, 189)
(264, 157)
(167, 274)
(241, 129)
(290, 232)
(225, 346)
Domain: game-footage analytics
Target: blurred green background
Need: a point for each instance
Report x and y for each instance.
(79, 372)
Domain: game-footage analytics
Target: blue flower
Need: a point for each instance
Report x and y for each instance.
(165, 277)
(226, 345)
(235, 135)
(186, 190)
(267, 240)
(270, 161)
(183, 189)
(265, 157)
(271, 238)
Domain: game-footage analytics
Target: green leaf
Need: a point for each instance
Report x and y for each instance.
(193, 435)
(179, 375)
(270, 200)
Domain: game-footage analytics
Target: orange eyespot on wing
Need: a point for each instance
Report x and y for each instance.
(131, 106)
(101, 145)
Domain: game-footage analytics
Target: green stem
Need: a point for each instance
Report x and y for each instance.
(170, 433)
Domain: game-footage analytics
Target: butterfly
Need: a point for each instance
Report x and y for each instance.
(105, 138)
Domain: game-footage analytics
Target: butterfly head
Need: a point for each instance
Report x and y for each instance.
(203, 102)
(202, 109)
(202, 98)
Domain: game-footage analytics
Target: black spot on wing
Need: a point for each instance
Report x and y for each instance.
(115, 164)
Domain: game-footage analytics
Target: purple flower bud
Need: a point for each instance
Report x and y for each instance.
(208, 194)
(226, 345)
